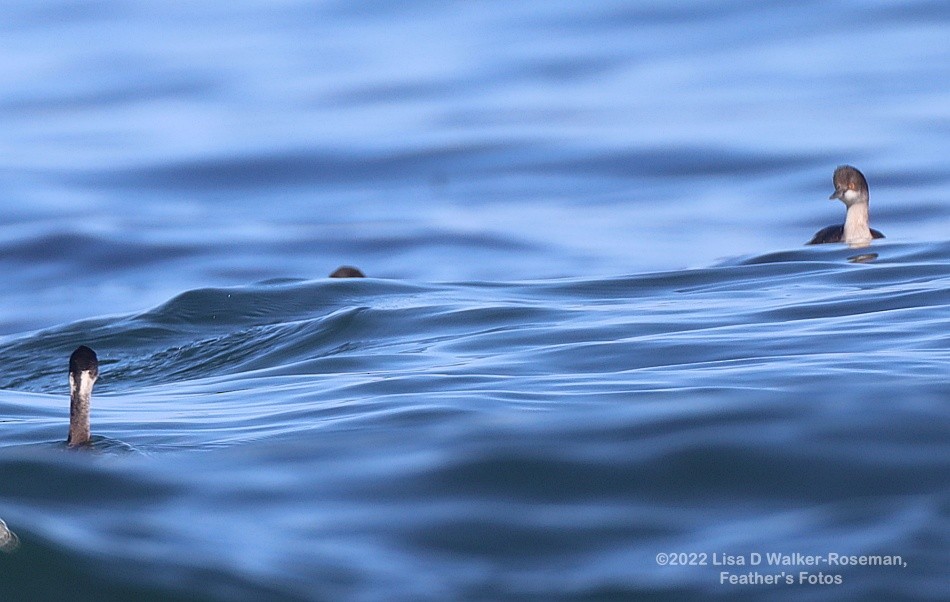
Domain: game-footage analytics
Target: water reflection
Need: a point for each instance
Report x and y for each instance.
(864, 257)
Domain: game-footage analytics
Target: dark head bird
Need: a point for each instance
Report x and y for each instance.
(851, 189)
(83, 372)
(345, 271)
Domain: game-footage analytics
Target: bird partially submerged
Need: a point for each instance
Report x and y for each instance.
(851, 188)
(347, 271)
(83, 372)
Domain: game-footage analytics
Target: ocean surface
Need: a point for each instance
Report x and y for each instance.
(592, 359)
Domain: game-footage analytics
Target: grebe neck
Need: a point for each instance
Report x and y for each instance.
(856, 228)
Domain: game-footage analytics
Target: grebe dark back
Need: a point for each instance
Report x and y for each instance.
(346, 271)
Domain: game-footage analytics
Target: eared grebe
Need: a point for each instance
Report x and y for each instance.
(851, 189)
(83, 372)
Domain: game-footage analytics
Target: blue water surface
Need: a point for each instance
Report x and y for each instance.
(592, 360)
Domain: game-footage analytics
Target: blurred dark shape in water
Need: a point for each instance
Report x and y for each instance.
(345, 271)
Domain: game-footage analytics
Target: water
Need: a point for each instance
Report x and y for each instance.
(591, 334)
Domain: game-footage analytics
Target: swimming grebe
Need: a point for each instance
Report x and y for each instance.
(83, 372)
(851, 189)
(346, 271)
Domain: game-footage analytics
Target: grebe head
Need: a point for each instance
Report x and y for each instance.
(850, 186)
(83, 372)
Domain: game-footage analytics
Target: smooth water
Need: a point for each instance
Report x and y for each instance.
(591, 335)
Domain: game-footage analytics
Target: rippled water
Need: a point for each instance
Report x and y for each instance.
(591, 335)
